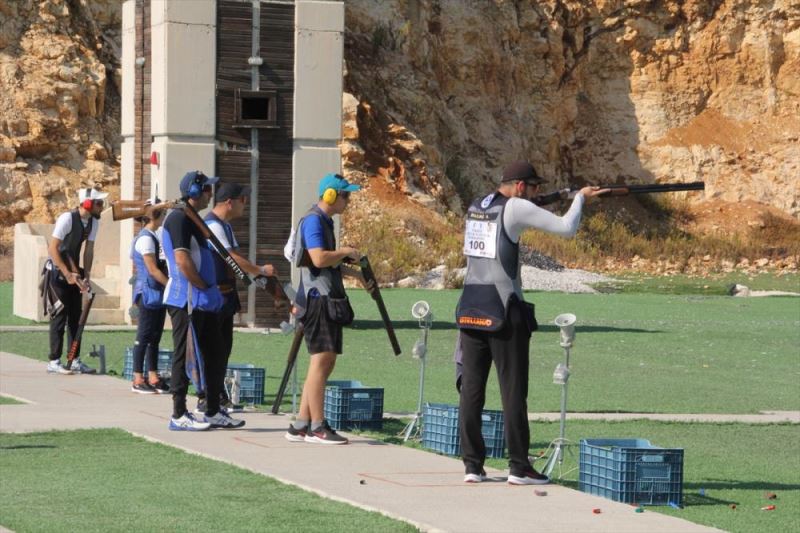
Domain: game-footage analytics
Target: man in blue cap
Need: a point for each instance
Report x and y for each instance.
(321, 304)
(193, 301)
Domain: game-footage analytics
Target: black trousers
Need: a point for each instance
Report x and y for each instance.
(148, 337)
(508, 348)
(207, 328)
(68, 317)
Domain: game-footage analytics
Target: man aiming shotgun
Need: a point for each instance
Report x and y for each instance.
(619, 190)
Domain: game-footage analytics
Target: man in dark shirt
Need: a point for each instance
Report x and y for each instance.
(193, 301)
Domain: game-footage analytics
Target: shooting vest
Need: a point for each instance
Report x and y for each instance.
(144, 282)
(226, 279)
(492, 277)
(70, 247)
(176, 293)
(328, 280)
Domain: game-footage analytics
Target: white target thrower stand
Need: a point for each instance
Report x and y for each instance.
(422, 312)
(556, 449)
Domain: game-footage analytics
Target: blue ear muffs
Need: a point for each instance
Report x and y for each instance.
(329, 196)
(196, 188)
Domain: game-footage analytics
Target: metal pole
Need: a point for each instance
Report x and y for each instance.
(255, 84)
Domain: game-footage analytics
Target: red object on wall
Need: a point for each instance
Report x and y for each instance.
(154, 158)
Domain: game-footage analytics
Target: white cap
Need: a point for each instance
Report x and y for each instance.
(90, 193)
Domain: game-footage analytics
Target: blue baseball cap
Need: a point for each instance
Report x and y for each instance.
(337, 183)
(196, 176)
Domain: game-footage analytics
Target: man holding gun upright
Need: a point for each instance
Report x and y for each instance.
(65, 277)
(321, 305)
(193, 302)
(229, 204)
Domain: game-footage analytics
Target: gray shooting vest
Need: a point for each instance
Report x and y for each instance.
(327, 281)
(492, 277)
(70, 247)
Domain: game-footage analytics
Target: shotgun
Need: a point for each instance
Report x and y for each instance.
(371, 284)
(620, 190)
(290, 361)
(75, 345)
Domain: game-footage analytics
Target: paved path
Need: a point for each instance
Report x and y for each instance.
(418, 487)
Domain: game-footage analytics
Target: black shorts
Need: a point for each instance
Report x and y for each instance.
(321, 334)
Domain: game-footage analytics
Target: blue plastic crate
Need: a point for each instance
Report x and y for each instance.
(351, 405)
(251, 382)
(631, 471)
(440, 430)
(164, 363)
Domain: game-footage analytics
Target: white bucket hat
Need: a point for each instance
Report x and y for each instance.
(90, 193)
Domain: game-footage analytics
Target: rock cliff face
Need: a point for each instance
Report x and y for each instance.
(443, 93)
(59, 105)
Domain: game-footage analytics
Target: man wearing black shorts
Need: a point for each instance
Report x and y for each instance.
(321, 305)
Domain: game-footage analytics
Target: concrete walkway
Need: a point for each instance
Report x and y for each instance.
(418, 487)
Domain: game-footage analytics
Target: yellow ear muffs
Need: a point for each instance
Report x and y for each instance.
(329, 196)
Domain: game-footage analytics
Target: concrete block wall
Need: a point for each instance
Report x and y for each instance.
(319, 53)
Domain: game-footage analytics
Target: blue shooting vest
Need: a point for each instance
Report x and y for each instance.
(146, 290)
(176, 292)
(226, 279)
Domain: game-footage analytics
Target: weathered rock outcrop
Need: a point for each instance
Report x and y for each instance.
(446, 92)
(59, 105)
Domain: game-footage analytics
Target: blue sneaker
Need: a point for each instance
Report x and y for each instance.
(187, 423)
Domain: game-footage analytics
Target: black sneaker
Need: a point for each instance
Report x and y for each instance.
(296, 435)
(160, 387)
(226, 405)
(528, 477)
(201, 407)
(325, 435)
(142, 388)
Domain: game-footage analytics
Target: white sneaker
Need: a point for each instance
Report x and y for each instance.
(54, 367)
(475, 478)
(187, 423)
(223, 421)
(79, 368)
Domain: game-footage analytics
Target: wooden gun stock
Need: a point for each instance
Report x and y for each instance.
(125, 209)
(273, 286)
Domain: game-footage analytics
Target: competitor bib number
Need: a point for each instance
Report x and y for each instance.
(480, 239)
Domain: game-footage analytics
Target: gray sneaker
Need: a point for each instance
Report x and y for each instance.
(79, 368)
(223, 421)
(54, 367)
(187, 423)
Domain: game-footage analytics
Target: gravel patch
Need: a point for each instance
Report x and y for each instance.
(533, 279)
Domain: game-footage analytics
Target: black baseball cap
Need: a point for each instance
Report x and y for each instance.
(521, 171)
(230, 191)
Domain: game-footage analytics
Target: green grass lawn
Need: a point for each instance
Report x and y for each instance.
(635, 352)
(660, 353)
(7, 317)
(714, 284)
(109, 480)
(5, 400)
(733, 464)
